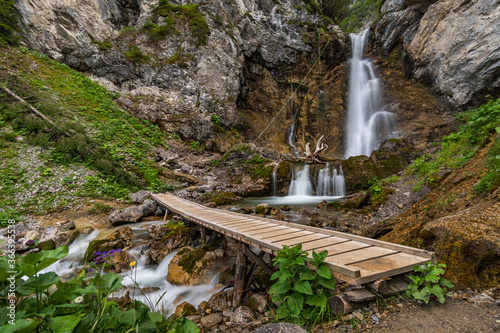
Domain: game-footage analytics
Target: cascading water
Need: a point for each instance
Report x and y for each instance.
(367, 123)
(275, 187)
(300, 185)
(330, 182)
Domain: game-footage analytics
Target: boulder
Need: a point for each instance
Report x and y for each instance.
(245, 210)
(126, 215)
(274, 211)
(87, 230)
(124, 233)
(218, 301)
(148, 208)
(67, 225)
(257, 302)
(263, 208)
(160, 211)
(212, 320)
(323, 205)
(48, 244)
(185, 309)
(190, 266)
(242, 315)
(138, 197)
(32, 234)
(280, 328)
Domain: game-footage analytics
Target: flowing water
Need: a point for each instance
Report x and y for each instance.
(166, 297)
(367, 123)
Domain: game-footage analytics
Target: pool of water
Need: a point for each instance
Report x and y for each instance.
(292, 200)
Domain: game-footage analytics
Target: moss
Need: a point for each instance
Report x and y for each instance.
(157, 32)
(189, 260)
(223, 198)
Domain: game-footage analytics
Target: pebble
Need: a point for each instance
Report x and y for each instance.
(375, 318)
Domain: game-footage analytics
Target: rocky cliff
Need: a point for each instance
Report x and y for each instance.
(202, 69)
(454, 46)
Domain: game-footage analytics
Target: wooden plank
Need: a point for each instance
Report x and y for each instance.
(343, 247)
(295, 234)
(392, 262)
(305, 239)
(274, 229)
(323, 242)
(360, 255)
(253, 226)
(278, 230)
(239, 222)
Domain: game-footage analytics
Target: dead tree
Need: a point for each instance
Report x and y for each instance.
(320, 146)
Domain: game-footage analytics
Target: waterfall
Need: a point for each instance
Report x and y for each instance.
(330, 181)
(275, 188)
(291, 131)
(367, 123)
(300, 185)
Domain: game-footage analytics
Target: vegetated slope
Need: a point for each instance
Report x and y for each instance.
(94, 149)
(460, 218)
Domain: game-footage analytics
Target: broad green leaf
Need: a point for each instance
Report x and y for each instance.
(327, 283)
(156, 317)
(446, 283)
(128, 317)
(275, 275)
(64, 324)
(438, 292)
(280, 288)
(183, 325)
(112, 282)
(303, 287)
(307, 276)
(282, 313)
(497, 129)
(44, 281)
(324, 272)
(278, 298)
(295, 303)
(50, 257)
(21, 326)
(316, 300)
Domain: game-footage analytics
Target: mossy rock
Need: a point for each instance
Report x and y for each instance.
(102, 245)
(223, 198)
(190, 258)
(48, 244)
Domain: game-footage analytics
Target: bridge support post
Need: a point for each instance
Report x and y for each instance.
(203, 235)
(240, 275)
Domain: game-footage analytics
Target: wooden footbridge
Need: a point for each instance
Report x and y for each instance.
(355, 259)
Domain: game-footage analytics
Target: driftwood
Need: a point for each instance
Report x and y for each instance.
(320, 146)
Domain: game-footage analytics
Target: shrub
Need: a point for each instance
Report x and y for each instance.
(427, 282)
(302, 293)
(186, 13)
(135, 54)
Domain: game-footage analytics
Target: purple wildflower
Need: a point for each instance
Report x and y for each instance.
(89, 270)
(97, 253)
(92, 295)
(29, 242)
(99, 260)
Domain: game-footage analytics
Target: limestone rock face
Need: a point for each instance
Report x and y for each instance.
(184, 84)
(452, 45)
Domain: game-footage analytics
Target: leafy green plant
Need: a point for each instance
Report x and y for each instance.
(43, 303)
(427, 282)
(301, 292)
(195, 144)
(217, 122)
